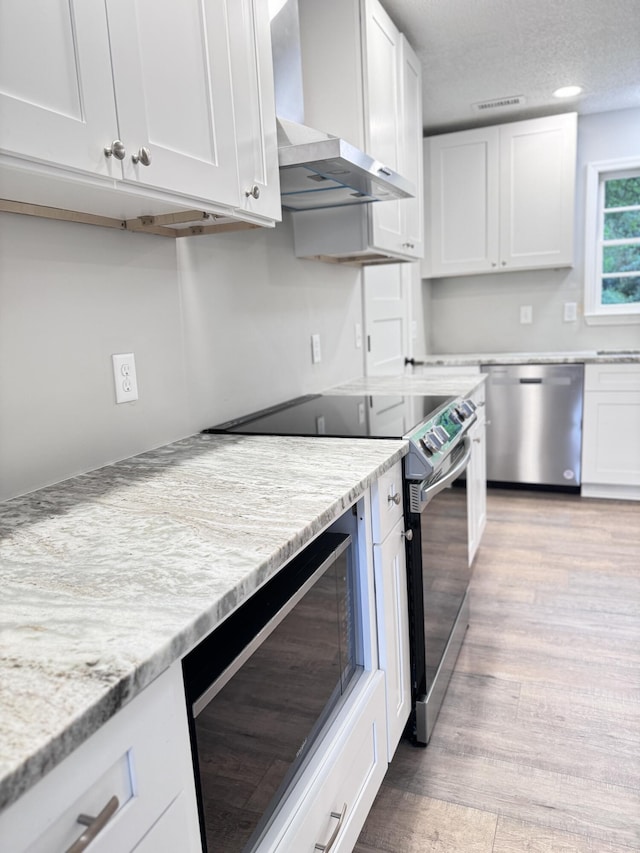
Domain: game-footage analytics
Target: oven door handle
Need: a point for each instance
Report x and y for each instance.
(426, 494)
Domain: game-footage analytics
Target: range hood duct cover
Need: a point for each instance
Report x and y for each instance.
(318, 170)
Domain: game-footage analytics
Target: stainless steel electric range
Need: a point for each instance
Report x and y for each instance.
(436, 521)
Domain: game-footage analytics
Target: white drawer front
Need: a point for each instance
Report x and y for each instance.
(612, 377)
(387, 502)
(349, 774)
(141, 756)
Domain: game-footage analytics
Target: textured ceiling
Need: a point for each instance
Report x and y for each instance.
(477, 50)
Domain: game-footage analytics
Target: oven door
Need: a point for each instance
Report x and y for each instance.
(438, 577)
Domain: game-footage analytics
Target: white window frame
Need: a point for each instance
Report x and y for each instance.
(594, 312)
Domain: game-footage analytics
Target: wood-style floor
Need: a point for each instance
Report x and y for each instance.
(537, 746)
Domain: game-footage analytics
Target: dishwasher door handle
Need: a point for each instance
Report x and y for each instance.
(526, 380)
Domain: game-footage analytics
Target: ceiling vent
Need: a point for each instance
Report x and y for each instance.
(500, 104)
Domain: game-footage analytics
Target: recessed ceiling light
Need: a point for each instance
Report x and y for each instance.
(567, 92)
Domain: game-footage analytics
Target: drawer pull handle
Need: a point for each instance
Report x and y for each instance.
(394, 499)
(94, 825)
(339, 816)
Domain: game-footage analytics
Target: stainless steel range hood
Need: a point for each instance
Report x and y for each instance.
(318, 170)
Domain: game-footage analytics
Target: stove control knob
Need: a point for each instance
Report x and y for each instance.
(434, 440)
(442, 434)
(426, 446)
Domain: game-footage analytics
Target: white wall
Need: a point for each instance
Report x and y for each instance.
(219, 325)
(482, 313)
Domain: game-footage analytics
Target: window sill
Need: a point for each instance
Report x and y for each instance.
(612, 319)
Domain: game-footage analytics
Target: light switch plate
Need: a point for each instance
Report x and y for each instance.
(526, 314)
(124, 377)
(316, 354)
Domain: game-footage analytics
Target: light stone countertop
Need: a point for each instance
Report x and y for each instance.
(609, 356)
(110, 577)
(413, 384)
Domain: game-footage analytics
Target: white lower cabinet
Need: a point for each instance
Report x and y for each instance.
(141, 756)
(342, 781)
(390, 567)
(611, 431)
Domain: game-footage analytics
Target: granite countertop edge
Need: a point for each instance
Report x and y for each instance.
(578, 357)
(16, 777)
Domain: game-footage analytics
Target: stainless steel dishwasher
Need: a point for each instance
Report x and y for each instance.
(534, 432)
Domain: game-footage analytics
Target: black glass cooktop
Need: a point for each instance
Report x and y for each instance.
(357, 416)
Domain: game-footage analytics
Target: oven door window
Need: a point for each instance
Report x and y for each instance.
(258, 731)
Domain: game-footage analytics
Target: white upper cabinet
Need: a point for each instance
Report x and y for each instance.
(379, 109)
(501, 198)
(56, 91)
(173, 93)
(255, 110)
(174, 107)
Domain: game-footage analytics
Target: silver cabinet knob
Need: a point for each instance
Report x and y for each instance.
(143, 156)
(408, 535)
(254, 192)
(116, 149)
(394, 498)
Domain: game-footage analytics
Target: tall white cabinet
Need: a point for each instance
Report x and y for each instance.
(371, 64)
(501, 198)
(122, 108)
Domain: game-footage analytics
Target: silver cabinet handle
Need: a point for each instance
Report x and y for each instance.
(339, 816)
(116, 149)
(394, 499)
(408, 535)
(254, 192)
(143, 156)
(94, 825)
(385, 170)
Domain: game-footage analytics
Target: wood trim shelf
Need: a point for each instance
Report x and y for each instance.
(186, 223)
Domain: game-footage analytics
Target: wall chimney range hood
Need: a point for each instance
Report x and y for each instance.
(318, 170)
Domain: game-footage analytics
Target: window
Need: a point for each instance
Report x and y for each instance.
(612, 269)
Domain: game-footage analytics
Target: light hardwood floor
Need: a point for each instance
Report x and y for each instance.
(537, 746)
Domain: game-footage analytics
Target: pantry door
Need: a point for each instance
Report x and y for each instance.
(387, 317)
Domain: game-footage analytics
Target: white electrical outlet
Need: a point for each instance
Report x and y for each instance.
(357, 334)
(570, 312)
(124, 377)
(526, 314)
(316, 354)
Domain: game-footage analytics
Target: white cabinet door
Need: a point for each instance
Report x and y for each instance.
(255, 111)
(386, 306)
(537, 185)
(56, 92)
(462, 173)
(411, 163)
(383, 115)
(393, 631)
(611, 431)
(172, 80)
